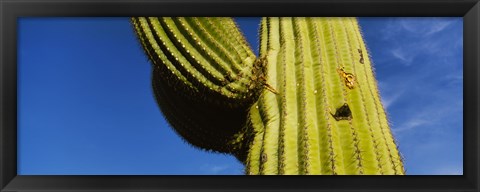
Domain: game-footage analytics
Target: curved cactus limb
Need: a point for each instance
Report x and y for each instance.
(200, 59)
(203, 80)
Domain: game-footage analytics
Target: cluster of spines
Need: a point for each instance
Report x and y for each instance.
(300, 133)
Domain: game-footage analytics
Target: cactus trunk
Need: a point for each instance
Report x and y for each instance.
(308, 105)
(327, 117)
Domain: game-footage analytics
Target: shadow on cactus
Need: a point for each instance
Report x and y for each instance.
(309, 104)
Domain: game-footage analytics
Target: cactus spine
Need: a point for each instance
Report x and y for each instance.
(309, 104)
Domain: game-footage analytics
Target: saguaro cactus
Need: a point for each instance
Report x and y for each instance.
(309, 104)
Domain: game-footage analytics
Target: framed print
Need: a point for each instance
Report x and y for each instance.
(227, 95)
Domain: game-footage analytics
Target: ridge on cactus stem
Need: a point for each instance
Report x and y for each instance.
(308, 104)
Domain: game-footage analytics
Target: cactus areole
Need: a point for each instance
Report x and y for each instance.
(309, 104)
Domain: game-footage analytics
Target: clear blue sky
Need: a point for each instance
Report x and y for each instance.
(85, 104)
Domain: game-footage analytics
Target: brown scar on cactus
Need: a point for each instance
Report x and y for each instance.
(348, 78)
(259, 74)
(342, 113)
(268, 87)
(361, 55)
(264, 157)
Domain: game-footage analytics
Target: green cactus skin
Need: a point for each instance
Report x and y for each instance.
(203, 79)
(200, 56)
(295, 131)
(308, 105)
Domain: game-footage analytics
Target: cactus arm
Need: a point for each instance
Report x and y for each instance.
(241, 45)
(203, 78)
(190, 50)
(189, 55)
(155, 53)
(207, 43)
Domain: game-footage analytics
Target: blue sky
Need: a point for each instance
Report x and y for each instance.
(85, 104)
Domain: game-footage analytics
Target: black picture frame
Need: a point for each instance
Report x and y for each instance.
(10, 10)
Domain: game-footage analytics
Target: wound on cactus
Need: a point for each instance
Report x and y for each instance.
(267, 86)
(361, 56)
(343, 113)
(348, 78)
